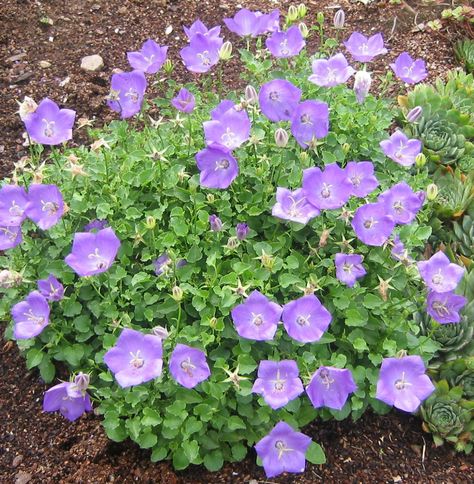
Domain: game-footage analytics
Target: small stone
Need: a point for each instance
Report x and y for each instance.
(122, 10)
(15, 58)
(23, 477)
(44, 64)
(92, 63)
(17, 460)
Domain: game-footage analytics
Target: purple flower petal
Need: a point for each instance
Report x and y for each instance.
(349, 268)
(188, 366)
(30, 316)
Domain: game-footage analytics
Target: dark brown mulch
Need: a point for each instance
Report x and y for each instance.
(37, 447)
(47, 448)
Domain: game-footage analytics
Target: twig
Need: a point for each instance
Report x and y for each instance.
(393, 28)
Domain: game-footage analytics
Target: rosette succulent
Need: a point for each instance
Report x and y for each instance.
(460, 373)
(464, 51)
(463, 234)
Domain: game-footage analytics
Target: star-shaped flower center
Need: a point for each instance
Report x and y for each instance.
(326, 379)
(257, 319)
(222, 164)
(187, 366)
(137, 361)
(15, 209)
(48, 128)
(401, 383)
(440, 308)
(303, 320)
(282, 448)
(101, 262)
(33, 318)
(229, 138)
(326, 190)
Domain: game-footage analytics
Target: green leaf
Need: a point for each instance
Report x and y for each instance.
(73, 354)
(151, 417)
(47, 370)
(315, 454)
(159, 453)
(147, 440)
(235, 423)
(213, 460)
(180, 460)
(33, 358)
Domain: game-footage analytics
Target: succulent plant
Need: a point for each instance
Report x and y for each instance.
(448, 417)
(463, 234)
(460, 373)
(464, 51)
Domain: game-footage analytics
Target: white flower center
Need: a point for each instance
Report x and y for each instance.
(440, 308)
(355, 180)
(370, 222)
(284, 50)
(303, 320)
(33, 318)
(282, 448)
(48, 128)
(187, 366)
(15, 210)
(257, 319)
(326, 190)
(222, 164)
(101, 262)
(133, 95)
(274, 96)
(50, 207)
(401, 383)
(398, 206)
(8, 233)
(326, 379)
(204, 58)
(229, 138)
(137, 361)
(437, 278)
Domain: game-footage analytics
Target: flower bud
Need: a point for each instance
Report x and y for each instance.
(281, 137)
(168, 66)
(211, 198)
(215, 222)
(82, 381)
(420, 160)
(160, 331)
(242, 231)
(303, 29)
(150, 222)
(225, 52)
(267, 260)
(432, 191)
(177, 293)
(339, 19)
(232, 243)
(414, 114)
(10, 279)
(304, 157)
(27, 107)
(251, 95)
(320, 18)
(292, 14)
(346, 147)
(213, 322)
(362, 82)
(302, 10)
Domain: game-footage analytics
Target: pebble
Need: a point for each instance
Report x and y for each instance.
(92, 63)
(44, 64)
(23, 477)
(17, 460)
(15, 58)
(122, 10)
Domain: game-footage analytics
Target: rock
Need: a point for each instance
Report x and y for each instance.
(122, 10)
(17, 460)
(92, 63)
(44, 64)
(23, 477)
(22, 77)
(15, 58)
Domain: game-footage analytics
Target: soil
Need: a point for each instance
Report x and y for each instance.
(39, 447)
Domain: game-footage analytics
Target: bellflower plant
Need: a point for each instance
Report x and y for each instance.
(373, 224)
(401, 149)
(10, 236)
(286, 44)
(127, 92)
(362, 83)
(403, 383)
(31, 316)
(365, 49)
(218, 168)
(310, 121)
(439, 274)
(199, 28)
(188, 366)
(293, 206)
(444, 307)
(278, 382)
(278, 99)
(331, 72)
(149, 59)
(13, 201)
(242, 231)
(401, 202)
(136, 358)
(64, 398)
(349, 268)
(162, 264)
(215, 222)
(45, 205)
(409, 70)
(51, 288)
(184, 101)
(202, 53)
(50, 125)
(283, 450)
(361, 176)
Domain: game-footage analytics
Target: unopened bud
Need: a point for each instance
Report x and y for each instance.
(339, 19)
(177, 293)
(346, 147)
(232, 243)
(150, 222)
(210, 198)
(10, 279)
(160, 331)
(242, 231)
(251, 95)
(304, 157)
(281, 137)
(362, 82)
(82, 381)
(27, 107)
(292, 14)
(302, 10)
(320, 18)
(303, 29)
(213, 322)
(225, 52)
(414, 114)
(420, 160)
(432, 191)
(215, 222)
(168, 66)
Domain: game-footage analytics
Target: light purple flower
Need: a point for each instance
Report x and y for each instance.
(45, 205)
(227, 131)
(221, 109)
(330, 387)
(444, 307)
(136, 358)
(162, 263)
(184, 101)
(65, 398)
(364, 49)
(414, 114)
(402, 383)
(306, 319)
(242, 230)
(202, 53)
(310, 121)
(409, 70)
(127, 92)
(362, 178)
(331, 72)
(50, 125)
(149, 59)
(401, 149)
(278, 99)
(188, 366)
(10, 237)
(362, 83)
(31, 316)
(372, 224)
(283, 450)
(401, 202)
(215, 222)
(96, 225)
(439, 274)
(269, 22)
(93, 253)
(256, 318)
(286, 44)
(13, 200)
(245, 23)
(349, 268)
(328, 189)
(278, 382)
(218, 168)
(199, 28)
(293, 206)
(399, 252)
(51, 288)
